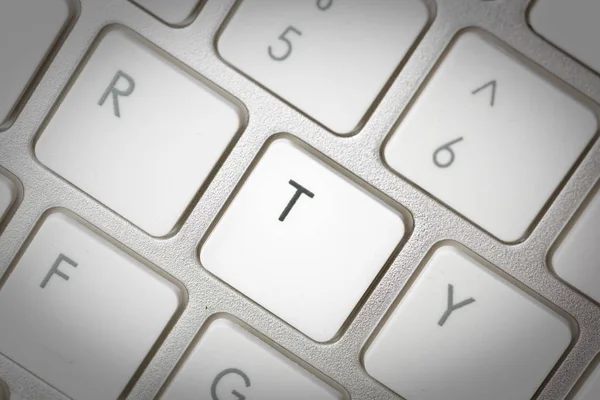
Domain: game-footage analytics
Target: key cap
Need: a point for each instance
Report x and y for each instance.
(577, 258)
(230, 363)
(591, 387)
(28, 30)
(490, 137)
(175, 13)
(8, 194)
(463, 332)
(4, 393)
(302, 240)
(571, 25)
(80, 313)
(137, 133)
(328, 58)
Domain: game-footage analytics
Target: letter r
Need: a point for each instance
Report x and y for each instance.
(116, 92)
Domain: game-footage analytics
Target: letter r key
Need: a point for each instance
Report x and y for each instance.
(116, 91)
(133, 126)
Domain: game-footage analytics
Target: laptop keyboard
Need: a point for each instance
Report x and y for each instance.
(300, 199)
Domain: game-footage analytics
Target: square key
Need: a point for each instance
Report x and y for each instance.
(462, 332)
(302, 240)
(29, 33)
(576, 257)
(570, 25)
(137, 132)
(4, 392)
(229, 362)
(590, 388)
(491, 136)
(329, 58)
(8, 194)
(81, 313)
(175, 13)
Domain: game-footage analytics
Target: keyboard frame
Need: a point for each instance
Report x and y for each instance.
(177, 254)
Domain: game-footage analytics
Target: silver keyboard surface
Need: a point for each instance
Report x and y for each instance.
(267, 117)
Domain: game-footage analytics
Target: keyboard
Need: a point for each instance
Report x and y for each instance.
(299, 199)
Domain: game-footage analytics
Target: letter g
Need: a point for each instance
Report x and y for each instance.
(213, 388)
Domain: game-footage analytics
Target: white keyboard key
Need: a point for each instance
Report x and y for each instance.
(9, 395)
(8, 194)
(302, 240)
(571, 25)
(4, 393)
(230, 363)
(591, 388)
(172, 12)
(328, 58)
(81, 314)
(577, 258)
(137, 133)
(463, 332)
(490, 137)
(28, 29)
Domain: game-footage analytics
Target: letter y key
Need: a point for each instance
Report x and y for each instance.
(453, 307)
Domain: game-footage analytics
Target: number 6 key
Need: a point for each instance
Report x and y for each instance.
(490, 137)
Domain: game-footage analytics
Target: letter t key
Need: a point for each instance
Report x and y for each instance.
(300, 190)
